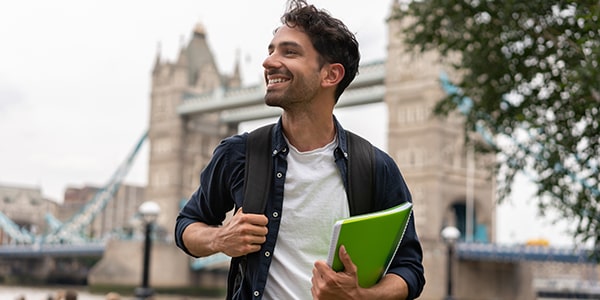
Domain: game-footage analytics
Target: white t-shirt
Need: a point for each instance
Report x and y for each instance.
(314, 198)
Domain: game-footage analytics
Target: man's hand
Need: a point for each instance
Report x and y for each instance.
(243, 234)
(328, 284)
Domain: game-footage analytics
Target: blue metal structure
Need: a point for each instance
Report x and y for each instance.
(52, 222)
(515, 253)
(17, 234)
(209, 261)
(71, 232)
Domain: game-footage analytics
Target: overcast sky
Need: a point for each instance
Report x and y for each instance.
(75, 75)
(75, 80)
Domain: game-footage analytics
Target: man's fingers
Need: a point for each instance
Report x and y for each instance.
(238, 211)
(320, 267)
(256, 219)
(349, 266)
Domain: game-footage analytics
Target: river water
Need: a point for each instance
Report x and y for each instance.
(47, 293)
(44, 293)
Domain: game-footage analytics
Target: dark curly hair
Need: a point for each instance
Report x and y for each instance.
(330, 37)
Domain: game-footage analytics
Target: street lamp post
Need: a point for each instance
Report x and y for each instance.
(450, 235)
(149, 211)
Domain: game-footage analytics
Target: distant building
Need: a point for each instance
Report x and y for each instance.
(116, 216)
(74, 200)
(26, 207)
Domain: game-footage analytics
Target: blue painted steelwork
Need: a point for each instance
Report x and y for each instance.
(17, 234)
(52, 221)
(70, 232)
(516, 253)
(209, 261)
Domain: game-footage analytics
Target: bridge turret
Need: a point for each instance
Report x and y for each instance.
(450, 185)
(173, 167)
(156, 60)
(235, 80)
(446, 181)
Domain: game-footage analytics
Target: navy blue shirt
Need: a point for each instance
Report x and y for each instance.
(222, 188)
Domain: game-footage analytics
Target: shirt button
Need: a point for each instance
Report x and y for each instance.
(267, 253)
(275, 214)
(256, 293)
(274, 151)
(279, 175)
(284, 150)
(346, 154)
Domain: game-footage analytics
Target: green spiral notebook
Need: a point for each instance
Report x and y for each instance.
(371, 240)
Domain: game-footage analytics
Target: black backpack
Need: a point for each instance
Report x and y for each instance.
(257, 184)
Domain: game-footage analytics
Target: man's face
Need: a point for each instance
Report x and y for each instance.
(291, 69)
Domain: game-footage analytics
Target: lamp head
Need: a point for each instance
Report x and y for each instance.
(149, 211)
(450, 234)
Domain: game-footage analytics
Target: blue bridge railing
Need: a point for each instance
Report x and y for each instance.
(514, 253)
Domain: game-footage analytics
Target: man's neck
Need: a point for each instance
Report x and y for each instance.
(308, 131)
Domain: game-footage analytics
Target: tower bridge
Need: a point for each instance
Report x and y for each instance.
(193, 107)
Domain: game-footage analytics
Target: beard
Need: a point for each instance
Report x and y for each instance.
(300, 90)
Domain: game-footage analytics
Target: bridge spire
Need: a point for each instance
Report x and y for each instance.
(200, 29)
(236, 77)
(157, 59)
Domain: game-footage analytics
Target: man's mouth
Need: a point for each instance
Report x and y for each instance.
(276, 80)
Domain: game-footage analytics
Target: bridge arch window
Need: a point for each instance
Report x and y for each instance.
(162, 146)
(457, 216)
(35, 201)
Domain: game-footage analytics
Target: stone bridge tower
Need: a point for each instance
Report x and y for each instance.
(445, 180)
(180, 146)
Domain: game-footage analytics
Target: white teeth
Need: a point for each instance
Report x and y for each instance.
(276, 80)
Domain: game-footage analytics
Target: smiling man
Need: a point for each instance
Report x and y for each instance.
(280, 254)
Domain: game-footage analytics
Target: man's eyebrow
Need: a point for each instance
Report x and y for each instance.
(285, 44)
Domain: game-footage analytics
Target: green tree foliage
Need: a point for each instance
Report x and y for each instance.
(530, 70)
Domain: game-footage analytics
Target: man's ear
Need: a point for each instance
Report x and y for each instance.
(333, 74)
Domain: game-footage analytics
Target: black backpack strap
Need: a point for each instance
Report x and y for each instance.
(361, 170)
(259, 164)
(257, 183)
